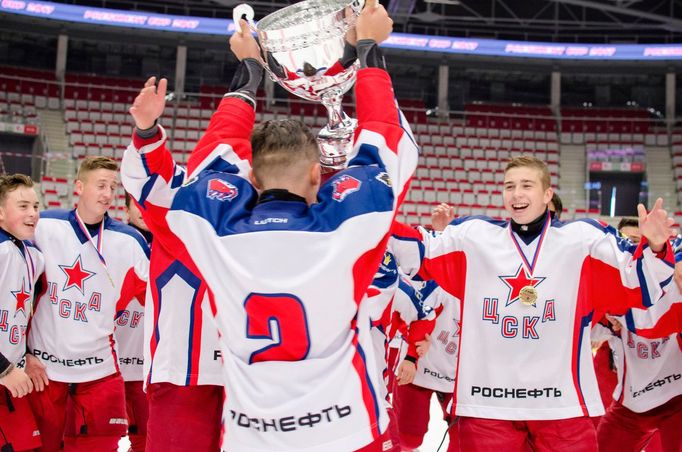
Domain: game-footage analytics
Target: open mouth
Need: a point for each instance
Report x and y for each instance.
(520, 207)
(30, 225)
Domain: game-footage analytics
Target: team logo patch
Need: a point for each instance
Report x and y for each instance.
(344, 186)
(384, 178)
(221, 190)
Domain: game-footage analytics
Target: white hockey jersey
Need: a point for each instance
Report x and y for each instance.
(531, 362)
(129, 337)
(180, 335)
(649, 370)
(21, 264)
(72, 331)
(392, 295)
(436, 369)
(288, 279)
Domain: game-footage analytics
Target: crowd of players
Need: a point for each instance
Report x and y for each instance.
(255, 302)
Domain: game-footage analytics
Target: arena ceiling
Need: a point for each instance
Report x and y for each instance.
(613, 21)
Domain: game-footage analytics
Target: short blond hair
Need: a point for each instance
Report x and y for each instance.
(11, 182)
(93, 163)
(528, 161)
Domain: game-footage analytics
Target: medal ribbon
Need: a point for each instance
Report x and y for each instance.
(30, 267)
(96, 245)
(530, 266)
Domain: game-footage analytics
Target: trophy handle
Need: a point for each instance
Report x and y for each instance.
(246, 11)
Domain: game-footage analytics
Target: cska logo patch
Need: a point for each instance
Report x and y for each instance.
(221, 190)
(344, 186)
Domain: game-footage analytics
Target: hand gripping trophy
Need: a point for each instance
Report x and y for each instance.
(302, 45)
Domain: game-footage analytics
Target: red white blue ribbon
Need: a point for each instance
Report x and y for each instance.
(96, 244)
(530, 266)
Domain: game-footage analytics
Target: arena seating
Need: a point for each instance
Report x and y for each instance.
(463, 164)
(605, 120)
(20, 99)
(462, 160)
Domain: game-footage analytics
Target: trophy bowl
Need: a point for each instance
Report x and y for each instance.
(302, 45)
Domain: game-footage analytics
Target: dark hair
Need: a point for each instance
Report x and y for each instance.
(11, 182)
(558, 205)
(278, 144)
(128, 199)
(625, 222)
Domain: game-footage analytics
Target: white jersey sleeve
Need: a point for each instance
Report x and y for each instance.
(21, 264)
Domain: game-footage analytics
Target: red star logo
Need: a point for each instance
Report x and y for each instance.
(517, 282)
(76, 275)
(21, 296)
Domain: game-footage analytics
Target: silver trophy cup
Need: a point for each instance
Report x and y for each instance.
(301, 46)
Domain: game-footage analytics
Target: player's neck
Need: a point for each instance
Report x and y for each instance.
(529, 232)
(89, 217)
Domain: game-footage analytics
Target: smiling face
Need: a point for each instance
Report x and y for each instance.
(96, 190)
(525, 195)
(19, 212)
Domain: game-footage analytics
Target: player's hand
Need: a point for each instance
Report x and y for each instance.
(149, 104)
(441, 216)
(17, 382)
(406, 372)
(656, 226)
(423, 346)
(243, 44)
(615, 324)
(374, 23)
(37, 372)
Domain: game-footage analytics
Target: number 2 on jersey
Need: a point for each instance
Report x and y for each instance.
(280, 318)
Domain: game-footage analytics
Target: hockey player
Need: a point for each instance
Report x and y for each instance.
(648, 397)
(295, 336)
(182, 363)
(94, 266)
(435, 372)
(647, 401)
(129, 336)
(604, 365)
(528, 288)
(21, 264)
(387, 292)
(182, 366)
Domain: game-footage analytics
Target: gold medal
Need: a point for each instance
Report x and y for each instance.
(528, 295)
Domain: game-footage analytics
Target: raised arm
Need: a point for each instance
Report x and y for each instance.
(226, 144)
(148, 171)
(623, 276)
(383, 137)
(423, 255)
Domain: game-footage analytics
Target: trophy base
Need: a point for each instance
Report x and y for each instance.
(336, 144)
